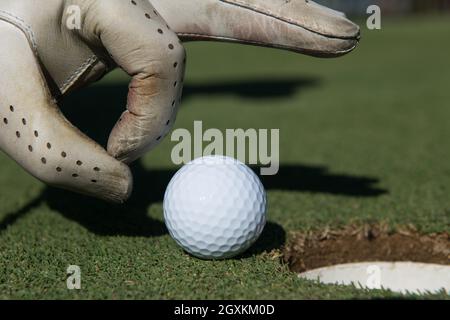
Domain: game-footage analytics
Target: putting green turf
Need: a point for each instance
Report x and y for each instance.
(363, 138)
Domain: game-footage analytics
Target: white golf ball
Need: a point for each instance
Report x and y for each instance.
(215, 207)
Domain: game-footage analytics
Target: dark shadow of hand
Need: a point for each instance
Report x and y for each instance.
(104, 104)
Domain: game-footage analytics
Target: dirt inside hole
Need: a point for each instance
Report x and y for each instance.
(315, 249)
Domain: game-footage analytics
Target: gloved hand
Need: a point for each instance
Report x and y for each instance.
(50, 48)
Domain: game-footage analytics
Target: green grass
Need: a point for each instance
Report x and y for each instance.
(363, 138)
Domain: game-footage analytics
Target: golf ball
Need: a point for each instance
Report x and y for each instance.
(215, 207)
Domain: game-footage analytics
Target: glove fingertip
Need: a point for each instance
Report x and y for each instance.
(124, 187)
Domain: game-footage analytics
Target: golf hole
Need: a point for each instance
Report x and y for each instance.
(402, 277)
(373, 257)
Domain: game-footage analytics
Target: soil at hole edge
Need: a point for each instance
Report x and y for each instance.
(315, 249)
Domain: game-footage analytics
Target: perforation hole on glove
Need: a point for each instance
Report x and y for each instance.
(44, 160)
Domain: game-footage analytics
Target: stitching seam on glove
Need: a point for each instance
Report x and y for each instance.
(78, 72)
(258, 43)
(22, 25)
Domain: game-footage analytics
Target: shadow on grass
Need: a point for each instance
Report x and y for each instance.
(132, 219)
(104, 104)
(255, 89)
(272, 237)
(315, 179)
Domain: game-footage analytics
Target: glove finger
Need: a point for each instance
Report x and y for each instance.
(141, 43)
(37, 136)
(300, 26)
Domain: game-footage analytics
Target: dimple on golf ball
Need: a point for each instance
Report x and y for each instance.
(215, 207)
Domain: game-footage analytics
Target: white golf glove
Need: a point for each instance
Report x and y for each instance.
(50, 48)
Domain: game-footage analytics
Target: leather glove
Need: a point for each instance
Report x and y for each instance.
(50, 48)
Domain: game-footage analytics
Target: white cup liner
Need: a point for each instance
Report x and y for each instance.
(402, 277)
